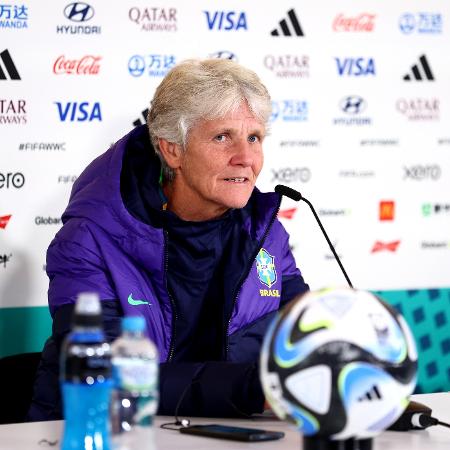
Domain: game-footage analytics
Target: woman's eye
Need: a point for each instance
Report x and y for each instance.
(220, 138)
(253, 138)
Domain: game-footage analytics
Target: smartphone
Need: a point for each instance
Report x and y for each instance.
(234, 433)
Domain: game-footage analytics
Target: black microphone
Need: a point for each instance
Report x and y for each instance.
(416, 416)
(296, 196)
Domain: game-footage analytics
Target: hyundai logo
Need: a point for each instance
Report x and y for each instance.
(353, 104)
(224, 54)
(79, 12)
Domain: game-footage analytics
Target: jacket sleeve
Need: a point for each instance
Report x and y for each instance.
(203, 389)
(293, 283)
(46, 403)
(71, 269)
(211, 389)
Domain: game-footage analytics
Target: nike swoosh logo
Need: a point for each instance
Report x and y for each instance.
(134, 302)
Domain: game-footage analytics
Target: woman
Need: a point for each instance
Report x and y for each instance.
(172, 228)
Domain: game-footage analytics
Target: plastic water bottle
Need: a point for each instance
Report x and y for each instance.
(86, 381)
(135, 373)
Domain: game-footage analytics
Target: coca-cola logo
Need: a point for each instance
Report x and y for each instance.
(86, 65)
(364, 22)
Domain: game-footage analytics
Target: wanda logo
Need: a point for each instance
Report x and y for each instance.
(362, 22)
(87, 65)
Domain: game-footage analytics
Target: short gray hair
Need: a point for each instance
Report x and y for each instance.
(202, 89)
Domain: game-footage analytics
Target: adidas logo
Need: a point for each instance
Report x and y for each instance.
(138, 122)
(372, 394)
(289, 26)
(420, 71)
(7, 63)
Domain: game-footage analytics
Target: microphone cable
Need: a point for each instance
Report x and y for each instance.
(416, 416)
(183, 423)
(422, 421)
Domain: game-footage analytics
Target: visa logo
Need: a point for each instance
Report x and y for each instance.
(79, 112)
(226, 20)
(355, 66)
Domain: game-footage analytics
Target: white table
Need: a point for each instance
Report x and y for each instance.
(41, 435)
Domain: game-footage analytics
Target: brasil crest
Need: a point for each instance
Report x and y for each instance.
(265, 266)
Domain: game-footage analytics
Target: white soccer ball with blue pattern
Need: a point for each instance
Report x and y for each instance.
(339, 363)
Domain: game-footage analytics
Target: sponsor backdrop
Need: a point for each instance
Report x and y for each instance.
(360, 125)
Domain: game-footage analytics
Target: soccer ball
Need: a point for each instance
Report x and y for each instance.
(338, 363)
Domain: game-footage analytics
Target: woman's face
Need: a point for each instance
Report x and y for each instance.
(219, 166)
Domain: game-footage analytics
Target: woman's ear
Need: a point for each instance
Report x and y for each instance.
(171, 153)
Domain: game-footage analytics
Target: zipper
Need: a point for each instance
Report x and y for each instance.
(174, 309)
(247, 271)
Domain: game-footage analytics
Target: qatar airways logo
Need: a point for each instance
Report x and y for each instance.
(86, 65)
(363, 22)
(154, 18)
(288, 65)
(419, 108)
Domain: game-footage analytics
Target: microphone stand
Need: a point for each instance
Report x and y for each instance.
(296, 196)
(328, 240)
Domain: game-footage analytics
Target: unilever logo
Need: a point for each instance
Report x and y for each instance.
(421, 22)
(291, 110)
(152, 65)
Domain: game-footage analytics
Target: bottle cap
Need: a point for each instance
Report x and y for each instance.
(88, 311)
(133, 324)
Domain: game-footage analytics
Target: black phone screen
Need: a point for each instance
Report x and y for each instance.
(234, 433)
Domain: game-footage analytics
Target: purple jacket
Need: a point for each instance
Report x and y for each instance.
(105, 247)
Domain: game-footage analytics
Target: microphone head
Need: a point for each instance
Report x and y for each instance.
(288, 192)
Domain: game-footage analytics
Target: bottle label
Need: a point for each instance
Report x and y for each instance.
(135, 375)
(86, 363)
